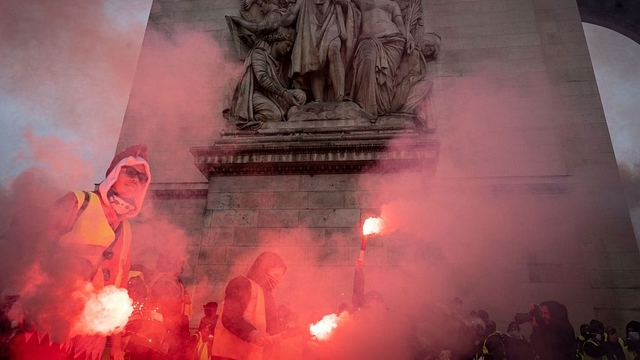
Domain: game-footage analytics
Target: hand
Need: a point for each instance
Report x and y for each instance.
(116, 353)
(299, 96)
(288, 97)
(263, 340)
(359, 264)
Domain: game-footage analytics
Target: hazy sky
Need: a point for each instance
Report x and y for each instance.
(66, 69)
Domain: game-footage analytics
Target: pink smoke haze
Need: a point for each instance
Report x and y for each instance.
(68, 74)
(182, 86)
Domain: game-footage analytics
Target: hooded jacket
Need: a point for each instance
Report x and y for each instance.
(88, 231)
(248, 307)
(555, 341)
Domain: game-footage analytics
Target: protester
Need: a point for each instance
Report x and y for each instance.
(615, 345)
(633, 340)
(145, 332)
(584, 335)
(93, 233)
(595, 348)
(249, 326)
(209, 320)
(168, 294)
(518, 348)
(208, 323)
(494, 346)
(553, 337)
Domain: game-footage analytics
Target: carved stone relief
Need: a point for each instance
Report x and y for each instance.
(331, 59)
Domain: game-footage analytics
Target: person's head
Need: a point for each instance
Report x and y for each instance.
(553, 312)
(477, 325)
(210, 308)
(126, 181)
(490, 325)
(267, 270)
(513, 329)
(633, 332)
(281, 40)
(584, 330)
(596, 329)
(130, 181)
(545, 314)
(136, 286)
(483, 315)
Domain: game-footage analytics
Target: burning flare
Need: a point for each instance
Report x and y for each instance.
(105, 312)
(323, 329)
(372, 226)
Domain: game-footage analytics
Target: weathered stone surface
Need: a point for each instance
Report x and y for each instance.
(278, 218)
(329, 218)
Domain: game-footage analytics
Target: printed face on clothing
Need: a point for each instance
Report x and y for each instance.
(274, 275)
(546, 316)
(130, 180)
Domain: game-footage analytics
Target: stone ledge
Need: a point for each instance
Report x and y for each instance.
(316, 155)
(166, 191)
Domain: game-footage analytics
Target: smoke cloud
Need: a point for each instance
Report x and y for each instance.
(66, 72)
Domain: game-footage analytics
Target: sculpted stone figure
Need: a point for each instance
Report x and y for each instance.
(380, 48)
(270, 16)
(263, 93)
(327, 31)
(342, 51)
(413, 85)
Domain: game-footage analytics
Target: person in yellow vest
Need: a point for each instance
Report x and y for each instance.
(169, 296)
(92, 228)
(249, 328)
(595, 348)
(633, 340)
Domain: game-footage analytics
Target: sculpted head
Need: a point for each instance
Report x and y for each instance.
(281, 40)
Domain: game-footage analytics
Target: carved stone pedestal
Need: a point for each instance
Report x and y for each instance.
(320, 146)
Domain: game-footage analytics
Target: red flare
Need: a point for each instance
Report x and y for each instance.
(105, 312)
(323, 329)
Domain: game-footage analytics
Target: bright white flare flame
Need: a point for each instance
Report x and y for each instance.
(105, 312)
(372, 226)
(323, 329)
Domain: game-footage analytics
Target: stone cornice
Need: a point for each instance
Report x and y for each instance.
(314, 155)
(166, 191)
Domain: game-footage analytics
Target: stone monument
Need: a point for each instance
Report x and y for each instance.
(476, 128)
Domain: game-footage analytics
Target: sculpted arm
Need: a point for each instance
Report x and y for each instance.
(292, 15)
(396, 15)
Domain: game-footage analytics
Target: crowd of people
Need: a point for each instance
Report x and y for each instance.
(248, 324)
(552, 337)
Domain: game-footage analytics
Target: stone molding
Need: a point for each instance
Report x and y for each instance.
(312, 155)
(178, 191)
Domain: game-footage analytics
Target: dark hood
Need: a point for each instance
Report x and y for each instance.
(557, 311)
(264, 262)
